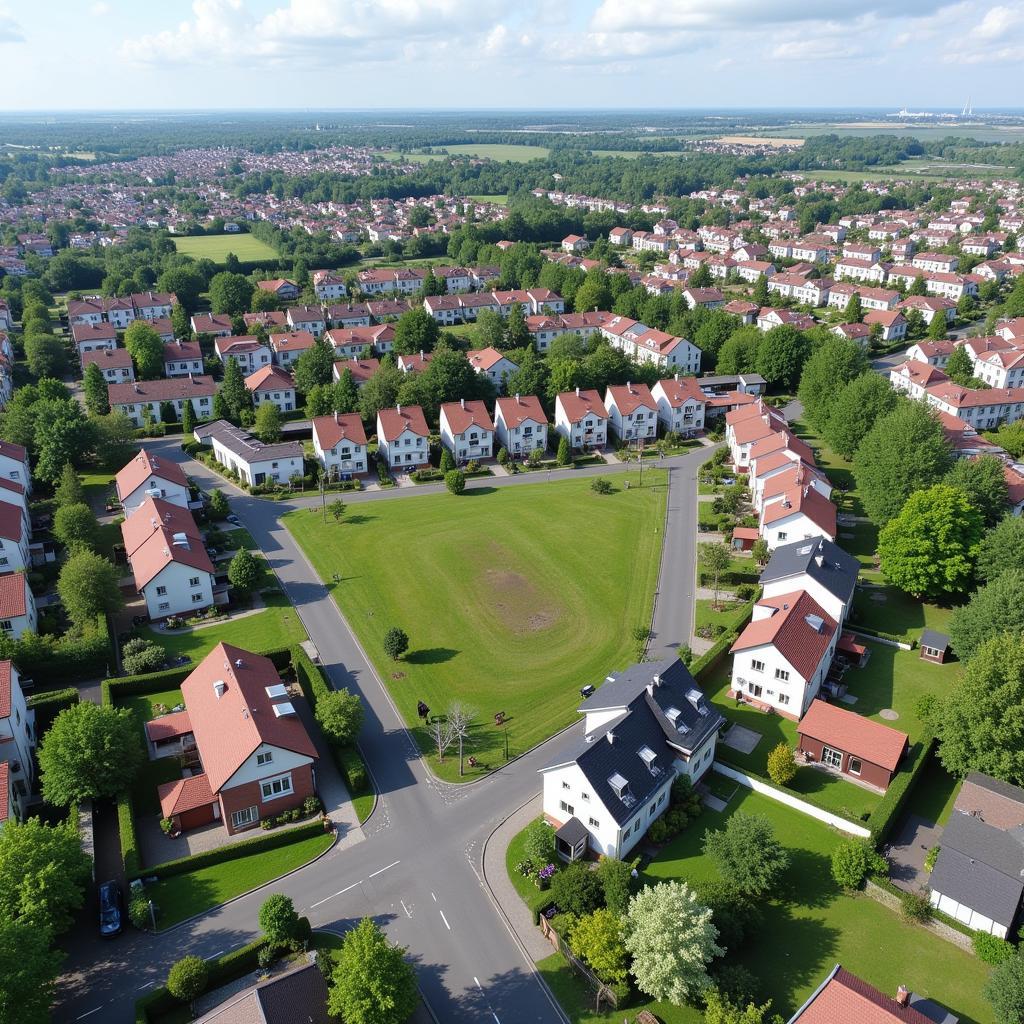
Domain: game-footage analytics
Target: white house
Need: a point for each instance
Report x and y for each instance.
(248, 351)
(182, 358)
(892, 322)
(17, 746)
(818, 567)
(92, 337)
(288, 347)
(644, 728)
(581, 417)
(914, 377)
(149, 476)
(681, 405)
(983, 409)
(783, 655)
(632, 412)
(272, 384)
(775, 486)
(403, 437)
(520, 424)
(257, 464)
(17, 605)
(306, 318)
(339, 441)
(328, 286)
(14, 464)
(115, 364)
(466, 430)
(136, 398)
(490, 362)
(797, 514)
(996, 361)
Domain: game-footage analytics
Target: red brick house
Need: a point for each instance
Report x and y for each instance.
(256, 757)
(851, 744)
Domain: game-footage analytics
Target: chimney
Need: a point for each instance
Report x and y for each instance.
(903, 996)
(336, 419)
(219, 687)
(577, 392)
(462, 402)
(398, 409)
(239, 663)
(517, 398)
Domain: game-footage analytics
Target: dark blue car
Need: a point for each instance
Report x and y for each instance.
(111, 922)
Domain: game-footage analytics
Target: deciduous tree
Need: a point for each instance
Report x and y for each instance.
(27, 982)
(245, 571)
(1002, 548)
(315, 366)
(416, 331)
(597, 940)
(373, 982)
(278, 920)
(860, 403)
(230, 293)
(996, 608)
(340, 715)
(267, 426)
(89, 585)
(959, 368)
(716, 559)
(833, 364)
(94, 387)
(187, 978)
(396, 643)
(984, 483)
(781, 356)
(69, 491)
(146, 349)
(747, 852)
(76, 527)
(1005, 990)
(781, 769)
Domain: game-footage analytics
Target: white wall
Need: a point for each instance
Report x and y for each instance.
(576, 432)
(173, 493)
(515, 439)
(971, 918)
(335, 458)
(407, 451)
(792, 695)
(174, 578)
(282, 761)
(19, 726)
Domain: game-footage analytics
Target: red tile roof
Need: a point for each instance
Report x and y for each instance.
(179, 349)
(165, 390)
(779, 440)
(142, 467)
(403, 417)
(5, 689)
(789, 632)
(13, 451)
(846, 999)
(159, 550)
(804, 500)
(579, 404)
(293, 341)
(93, 332)
(630, 397)
(682, 390)
(13, 602)
(167, 727)
(230, 727)
(10, 521)
(484, 358)
(463, 415)
(269, 377)
(516, 410)
(854, 733)
(185, 795)
(329, 430)
(156, 514)
(116, 358)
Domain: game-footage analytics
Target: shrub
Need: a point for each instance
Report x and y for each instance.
(539, 842)
(534, 458)
(930, 858)
(278, 920)
(916, 907)
(781, 769)
(745, 591)
(658, 833)
(599, 485)
(991, 948)
(577, 890)
(455, 481)
(139, 655)
(138, 912)
(503, 458)
(187, 978)
(616, 883)
(853, 860)
(396, 643)
(890, 806)
(311, 805)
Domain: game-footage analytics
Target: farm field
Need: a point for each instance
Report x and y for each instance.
(498, 200)
(484, 150)
(512, 598)
(217, 247)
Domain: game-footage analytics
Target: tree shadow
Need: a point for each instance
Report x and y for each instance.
(431, 656)
(475, 492)
(808, 880)
(359, 519)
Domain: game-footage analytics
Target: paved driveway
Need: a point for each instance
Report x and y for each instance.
(908, 850)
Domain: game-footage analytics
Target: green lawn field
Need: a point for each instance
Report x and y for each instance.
(513, 598)
(484, 150)
(217, 247)
(808, 927)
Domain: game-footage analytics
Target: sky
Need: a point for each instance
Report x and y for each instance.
(318, 54)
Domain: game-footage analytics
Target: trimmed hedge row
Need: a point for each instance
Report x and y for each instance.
(268, 841)
(711, 657)
(129, 838)
(882, 635)
(49, 705)
(65, 659)
(884, 816)
(226, 968)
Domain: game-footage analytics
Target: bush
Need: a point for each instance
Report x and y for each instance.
(577, 890)
(396, 643)
(503, 458)
(139, 656)
(599, 485)
(883, 817)
(455, 481)
(930, 858)
(539, 842)
(781, 769)
(992, 949)
(383, 474)
(188, 978)
(129, 838)
(138, 912)
(745, 591)
(853, 860)
(916, 907)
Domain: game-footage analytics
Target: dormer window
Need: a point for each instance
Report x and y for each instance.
(620, 787)
(649, 758)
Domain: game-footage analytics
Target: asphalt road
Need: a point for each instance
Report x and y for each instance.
(418, 869)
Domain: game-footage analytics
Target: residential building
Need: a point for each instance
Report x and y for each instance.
(914, 378)
(299, 994)
(581, 417)
(136, 398)
(153, 305)
(272, 384)
(17, 746)
(892, 322)
(520, 425)
(800, 513)
(306, 318)
(88, 337)
(846, 743)
(978, 878)
(934, 353)
(782, 657)
(115, 364)
(361, 369)
(256, 756)
(329, 287)
(819, 568)
(247, 350)
(644, 728)
(983, 409)
(339, 441)
(350, 342)
(285, 290)
(466, 430)
(217, 325)
(632, 412)
(149, 476)
(681, 405)
(256, 463)
(490, 362)
(288, 347)
(403, 437)
(182, 358)
(17, 605)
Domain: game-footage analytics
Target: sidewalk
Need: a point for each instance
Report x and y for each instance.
(519, 918)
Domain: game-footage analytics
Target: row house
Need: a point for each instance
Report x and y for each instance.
(17, 606)
(745, 426)
(913, 377)
(929, 306)
(934, 353)
(288, 347)
(89, 337)
(774, 486)
(403, 438)
(936, 262)
(351, 342)
(870, 271)
(274, 385)
(269, 319)
(982, 409)
(15, 495)
(647, 345)
(795, 249)
(767, 318)
(647, 241)
(870, 298)
(306, 318)
(348, 314)
(216, 325)
(248, 351)
(632, 412)
(581, 418)
(416, 362)
(182, 358)
(466, 430)
(807, 291)
(799, 513)
(996, 361)
(856, 332)
(380, 281)
(764, 466)
(17, 746)
(150, 476)
(339, 442)
(257, 464)
(752, 270)
(708, 298)
(121, 311)
(862, 252)
(15, 555)
(891, 321)
(138, 399)
(681, 405)
(520, 425)
(328, 286)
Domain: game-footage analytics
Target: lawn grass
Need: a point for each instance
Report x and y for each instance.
(182, 896)
(495, 151)
(276, 626)
(512, 598)
(497, 200)
(98, 485)
(707, 615)
(528, 892)
(899, 614)
(239, 537)
(935, 793)
(217, 247)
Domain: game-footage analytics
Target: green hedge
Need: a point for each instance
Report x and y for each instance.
(267, 841)
(129, 838)
(713, 655)
(49, 705)
(884, 816)
(61, 659)
(882, 635)
(224, 969)
(886, 883)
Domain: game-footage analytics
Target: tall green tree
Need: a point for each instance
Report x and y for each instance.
(748, 853)
(960, 368)
(855, 410)
(672, 939)
(984, 483)
(146, 349)
(278, 919)
(236, 395)
(1002, 548)
(380, 391)
(89, 585)
(739, 353)
(76, 527)
(94, 387)
(905, 451)
(597, 939)
(27, 982)
(416, 331)
(516, 333)
(267, 426)
(1005, 990)
(937, 329)
(853, 312)
(245, 571)
(781, 356)
(594, 293)
(340, 715)
(188, 419)
(315, 366)
(90, 751)
(998, 607)
(230, 293)
(345, 397)
(373, 982)
(928, 549)
(45, 354)
(70, 490)
(831, 366)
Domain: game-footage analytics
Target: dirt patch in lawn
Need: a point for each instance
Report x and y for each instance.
(516, 601)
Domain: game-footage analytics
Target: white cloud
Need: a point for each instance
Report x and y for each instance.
(810, 49)
(998, 21)
(99, 10)
(219, 28)
(995, 37)
(10, 30)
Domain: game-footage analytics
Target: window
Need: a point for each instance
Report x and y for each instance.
(160, 591)
(193, 581)
(585, 795)
(754, 689)
(197, 598)
(265, 757)
(246, 816)
(782, 535)
(783, 698)
(565, 785)
(273, 788)
(567, 808)
(782, 673)
(163, 606)
(6, 625)
(831, 758)
(594, 823)
(855, 766)
(756, 666)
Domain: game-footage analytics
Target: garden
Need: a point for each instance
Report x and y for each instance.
(500, 601)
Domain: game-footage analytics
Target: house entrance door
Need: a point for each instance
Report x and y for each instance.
(831, 758)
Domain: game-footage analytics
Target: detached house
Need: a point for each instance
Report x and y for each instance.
(17, 746)
(632, 412)
(466, 430)
(339, 441)
(256, 463)
(148, 476)
(783, 655)
(274, 385)
(681, 405)
(490, 362)
(581, 417)
(644, 727)
(288, 347)
(255, 757)
(182, 358)
(403, 437)
(800, 513)
(248, 351)
(520, 425)
(818, 567)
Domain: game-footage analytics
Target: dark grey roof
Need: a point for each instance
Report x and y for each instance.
(573, 831)
(931, 638)
(298, 995)
(981, 867)
(819, 558)
(663, 710)
(731, 378)
(250, 449)
(932, 1010)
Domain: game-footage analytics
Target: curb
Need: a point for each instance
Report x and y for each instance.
(249, 892)
(556, 1005)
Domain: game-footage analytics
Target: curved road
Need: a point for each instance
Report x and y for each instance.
(418, 870)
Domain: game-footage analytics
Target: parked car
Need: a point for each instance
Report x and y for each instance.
(111, 910)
